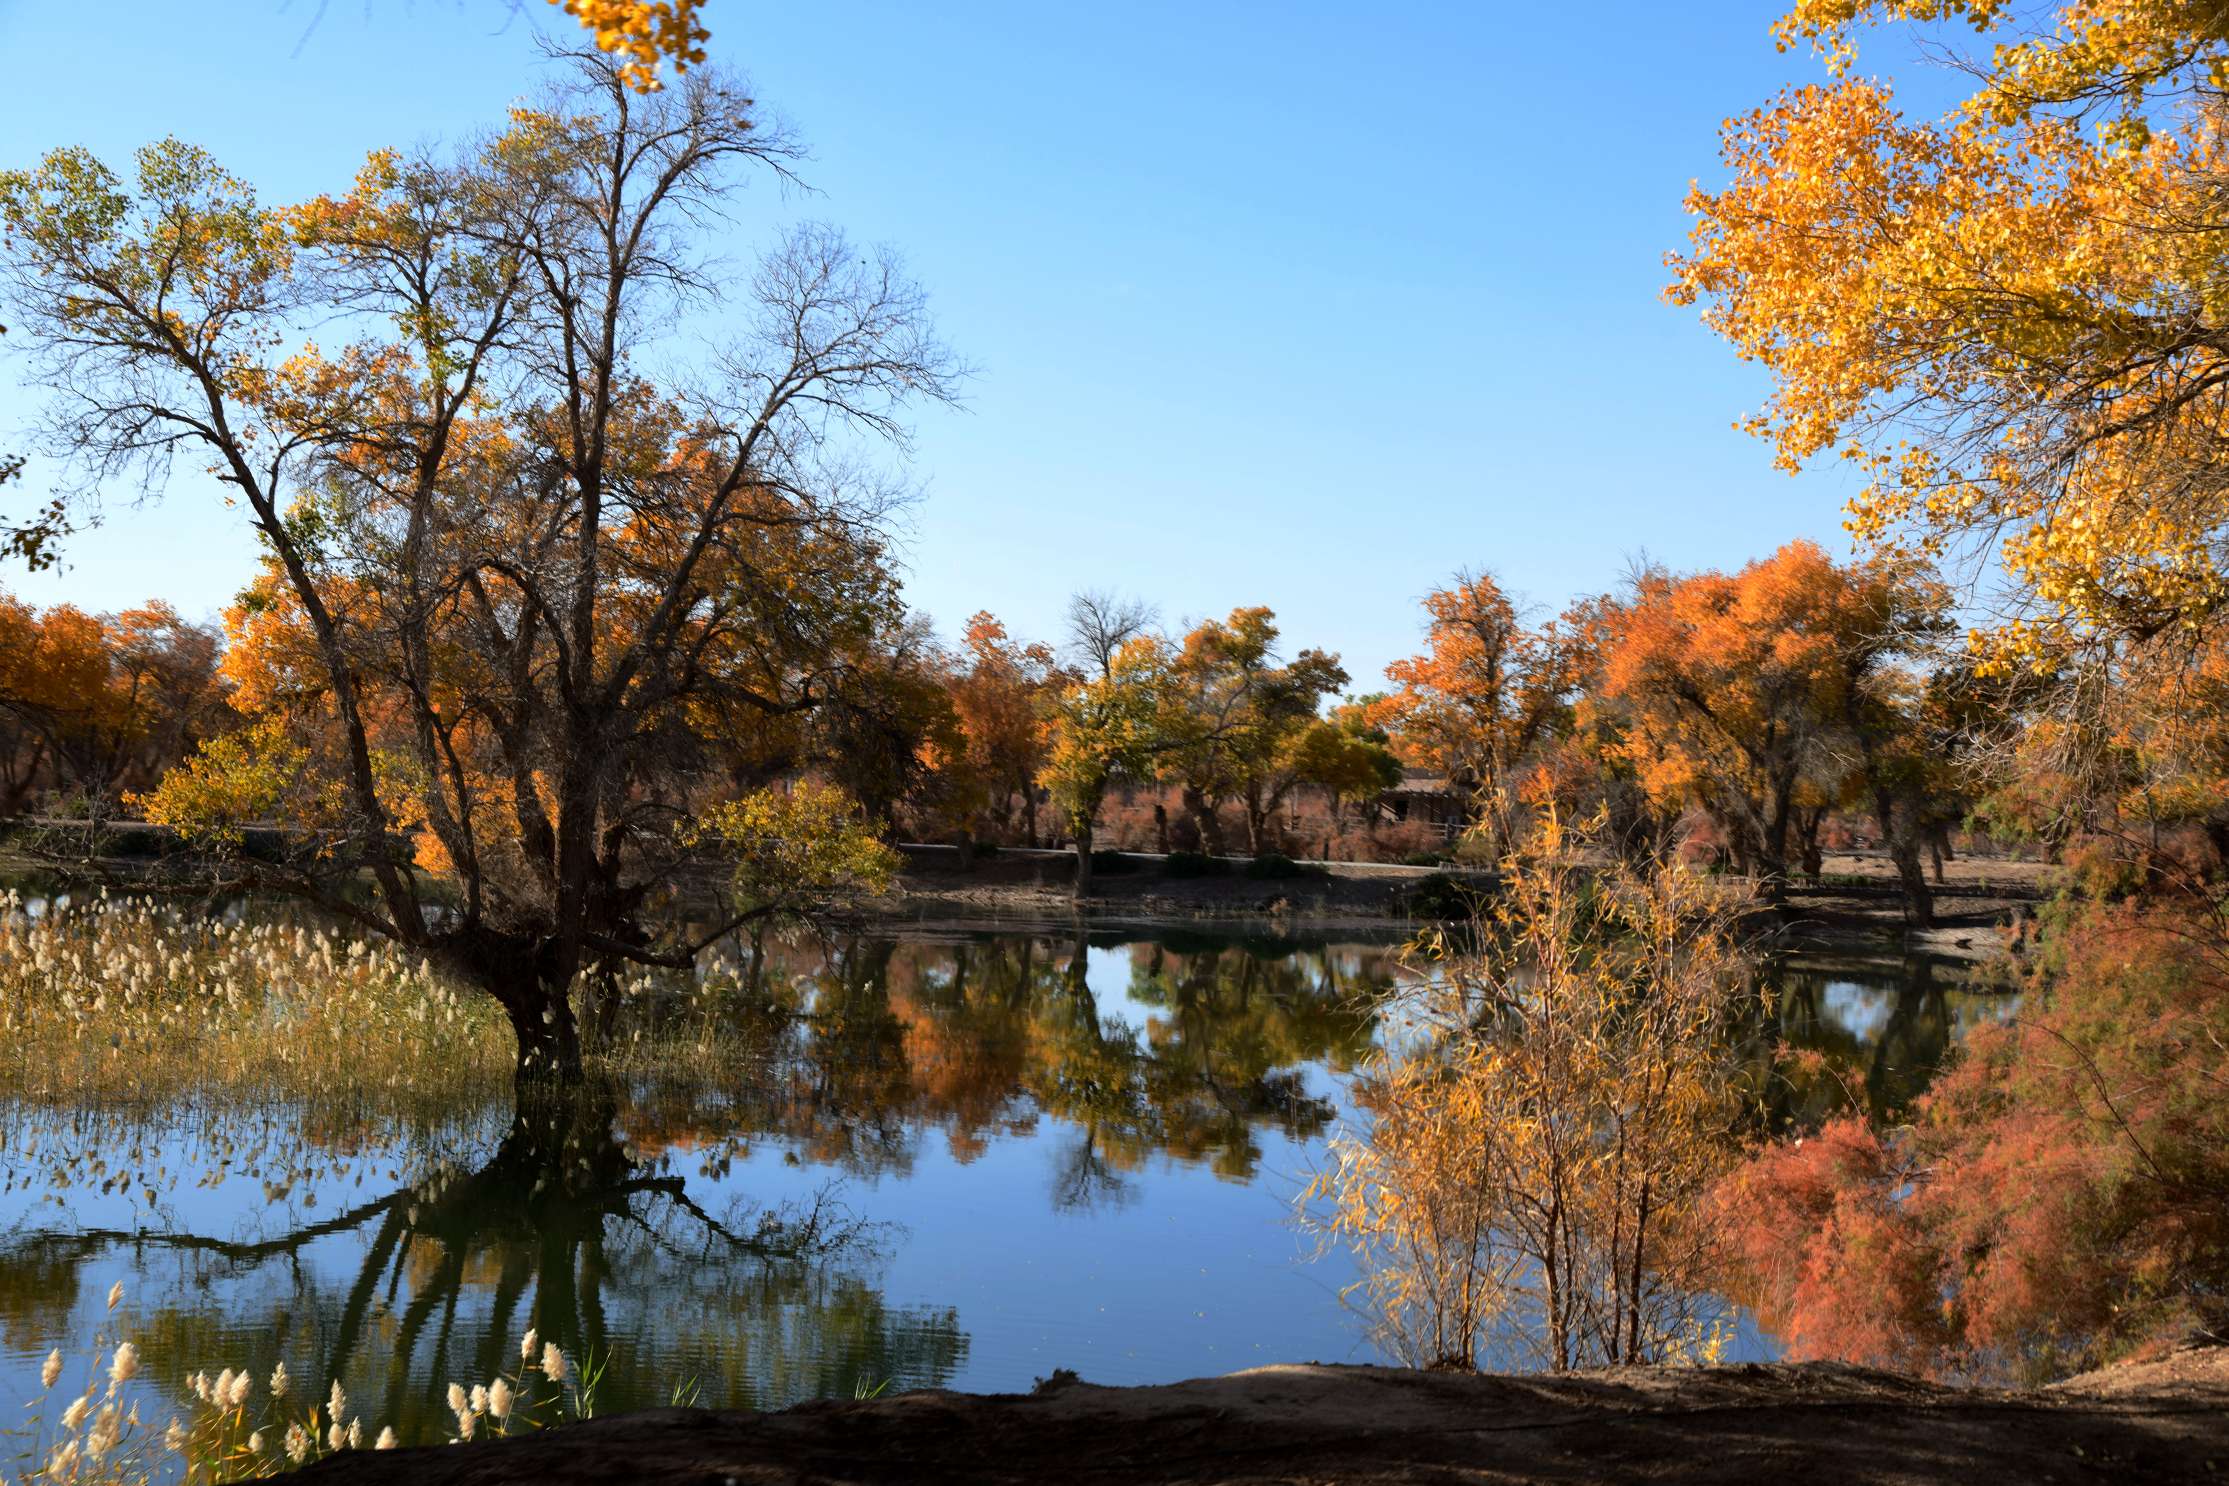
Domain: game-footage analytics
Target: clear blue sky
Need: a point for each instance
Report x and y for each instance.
(1306, 305)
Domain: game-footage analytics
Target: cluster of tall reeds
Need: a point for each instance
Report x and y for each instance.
(116, 997)
(235, 1427)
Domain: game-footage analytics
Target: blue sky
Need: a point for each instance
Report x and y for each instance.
(1305, 305)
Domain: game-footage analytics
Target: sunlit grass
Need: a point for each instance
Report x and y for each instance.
(132, 999)
(126, 998)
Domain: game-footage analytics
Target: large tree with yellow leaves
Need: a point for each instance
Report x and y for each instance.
(516, 592)
(2013, 318)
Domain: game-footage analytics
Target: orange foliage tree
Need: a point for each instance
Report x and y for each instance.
(92, 706)
(999, 689)
(1486, 694)
(1767, 696)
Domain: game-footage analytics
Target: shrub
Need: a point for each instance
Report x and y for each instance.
(1542, 1142)
(1193, 864)
(1443, 896)
(1112, 863)
(2054, 1204)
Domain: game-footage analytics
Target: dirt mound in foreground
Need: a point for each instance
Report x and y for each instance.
(1812, 1424)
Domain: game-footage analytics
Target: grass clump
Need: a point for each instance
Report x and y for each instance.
(238, 1427)
(129, 998)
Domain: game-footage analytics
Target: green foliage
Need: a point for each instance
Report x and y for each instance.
(1104, 727)
(795, 848)
(235, 781)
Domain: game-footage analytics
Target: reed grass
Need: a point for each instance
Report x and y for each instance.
(238, 1427)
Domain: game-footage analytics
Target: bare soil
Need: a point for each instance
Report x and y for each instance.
(1812, 1424)
(1857, 902)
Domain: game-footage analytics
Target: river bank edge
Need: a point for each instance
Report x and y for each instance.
(2165, 1420)
(1854, 908)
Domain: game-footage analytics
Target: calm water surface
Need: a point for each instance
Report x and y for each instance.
(961, 1161)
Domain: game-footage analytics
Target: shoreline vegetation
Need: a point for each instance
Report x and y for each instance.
(1854, 904)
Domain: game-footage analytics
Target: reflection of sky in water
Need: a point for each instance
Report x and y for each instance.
(1033, 1243)
(1861, 1010)
(1864, 1008)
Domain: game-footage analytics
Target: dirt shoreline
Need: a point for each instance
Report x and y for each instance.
(1856, 905)
(1818, 1424)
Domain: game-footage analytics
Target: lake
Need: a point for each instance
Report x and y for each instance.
(955, 1160)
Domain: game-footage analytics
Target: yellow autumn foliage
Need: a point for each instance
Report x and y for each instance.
(1543, 1125)
(645, 33)
(2006, 317)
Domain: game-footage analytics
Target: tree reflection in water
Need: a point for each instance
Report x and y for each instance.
(404, 1249)
(562, 1225)
(1874, 1035)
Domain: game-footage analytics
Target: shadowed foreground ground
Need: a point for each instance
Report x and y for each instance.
(1814, 1425)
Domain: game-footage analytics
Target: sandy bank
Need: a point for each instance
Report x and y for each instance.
(1815, 1425)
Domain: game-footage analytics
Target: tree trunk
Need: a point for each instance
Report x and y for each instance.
(1814, 863)
(1901, 835)
(1772, 848)
(1919, 899)
(522, 975)
(1083, 861)
(548, 1038)
(1205, 820)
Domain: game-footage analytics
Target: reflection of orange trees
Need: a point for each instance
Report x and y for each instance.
(857, 1044)
(966, 1039)
(1235, 1025)
(1813, 1064)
